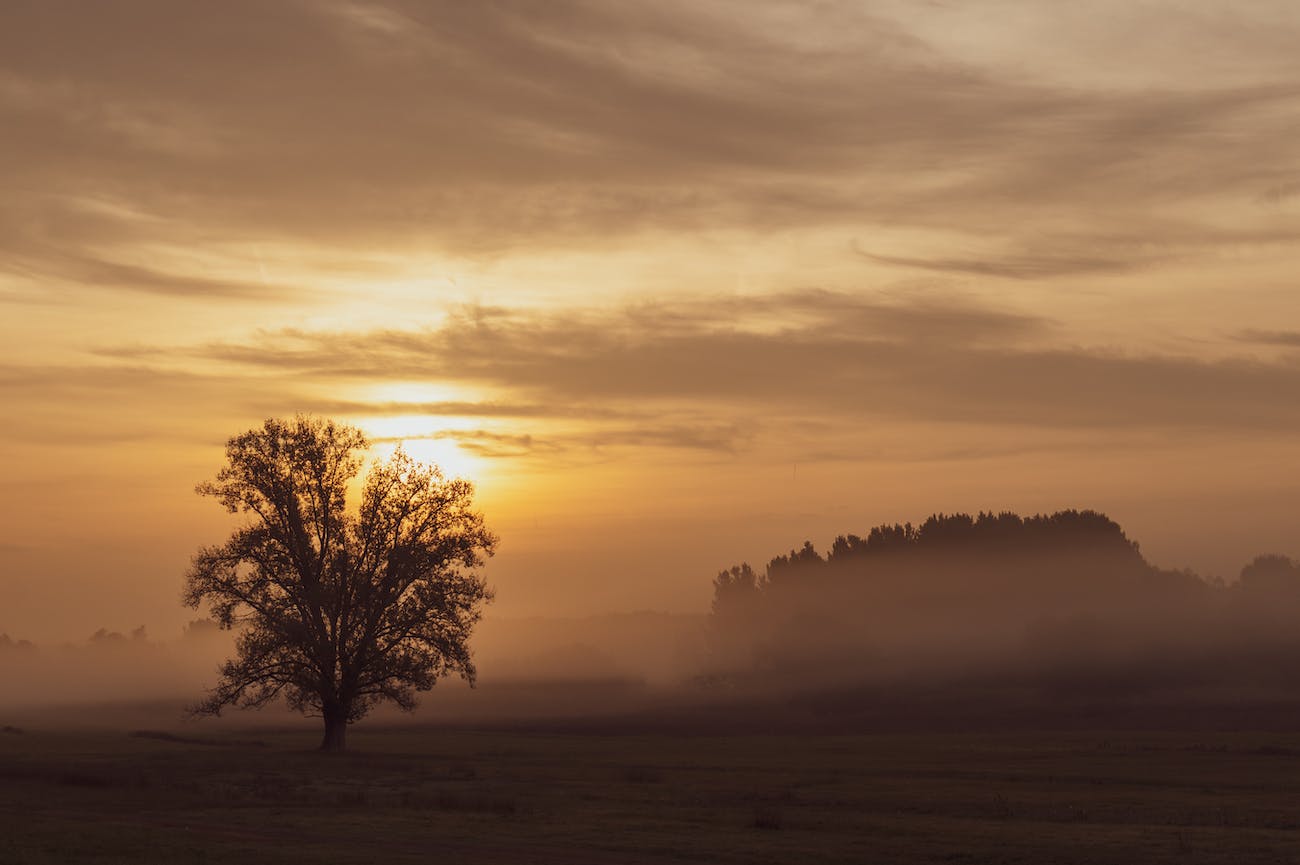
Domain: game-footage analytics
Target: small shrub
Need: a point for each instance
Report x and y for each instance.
(1000, 808)
(479, 804)
(86, 779)
(767, 817)
(642, 775)
(351, 798)
(164, 736)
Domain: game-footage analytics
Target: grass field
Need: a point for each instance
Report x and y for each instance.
(419, 794)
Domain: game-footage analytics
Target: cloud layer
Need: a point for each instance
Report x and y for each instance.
(142, 128)
(719, 373)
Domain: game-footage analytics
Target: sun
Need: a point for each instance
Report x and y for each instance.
(429, 439)
(448, 455)
(430, 421)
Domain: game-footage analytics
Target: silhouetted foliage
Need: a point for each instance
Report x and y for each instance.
(199, 629)
(106, 640)
(940, 582)
(1270, 574)
(339, 610)
(8, 643)
(735, 591)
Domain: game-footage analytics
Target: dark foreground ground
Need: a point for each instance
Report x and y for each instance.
(431, 794)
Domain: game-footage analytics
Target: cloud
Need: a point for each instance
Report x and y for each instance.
(815, 355)
(1009, 267)
(715, 438)
(100, 274)
(59, 243)
(1284, 338)
(485, 409)
(477, 128)
(141, 147)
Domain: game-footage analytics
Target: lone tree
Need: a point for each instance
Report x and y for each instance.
(338, 610)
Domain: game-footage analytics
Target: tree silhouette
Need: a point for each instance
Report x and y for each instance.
(338, 610)
(956, 575)
(1270, 575)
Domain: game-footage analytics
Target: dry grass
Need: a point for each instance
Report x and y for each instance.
(462, 796)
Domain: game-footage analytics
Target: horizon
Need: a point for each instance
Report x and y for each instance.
(759, 562)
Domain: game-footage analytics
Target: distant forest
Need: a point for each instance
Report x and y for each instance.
(1069, 589)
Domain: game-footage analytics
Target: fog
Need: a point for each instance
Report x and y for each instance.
(523, 665)
(992, 613)
(110, 667)
(1061, 605)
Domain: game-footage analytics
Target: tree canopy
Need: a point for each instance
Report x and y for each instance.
(339, 609)
(955, 578)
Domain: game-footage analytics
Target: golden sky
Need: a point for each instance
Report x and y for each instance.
(677, 283)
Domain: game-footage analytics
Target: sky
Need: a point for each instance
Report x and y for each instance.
(676, 284)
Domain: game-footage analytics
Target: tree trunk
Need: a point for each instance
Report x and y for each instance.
(336, 729)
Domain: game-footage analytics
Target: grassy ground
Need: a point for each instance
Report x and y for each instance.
(421, 794)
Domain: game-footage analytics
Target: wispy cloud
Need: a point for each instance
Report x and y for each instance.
(475, 127)
(707, 438)
(1284, 338)
(819, 355)
(1012, 266)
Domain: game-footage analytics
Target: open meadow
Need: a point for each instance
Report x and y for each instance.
(588, 795)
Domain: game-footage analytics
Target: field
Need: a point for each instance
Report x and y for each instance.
(453, 795)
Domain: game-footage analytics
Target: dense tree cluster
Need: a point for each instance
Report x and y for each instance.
(983, 581)
(943, 549)
(8, 643)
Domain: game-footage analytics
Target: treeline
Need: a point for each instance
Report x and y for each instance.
(9, 644)
(972, 589)
(109, 665)
(107, 640)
